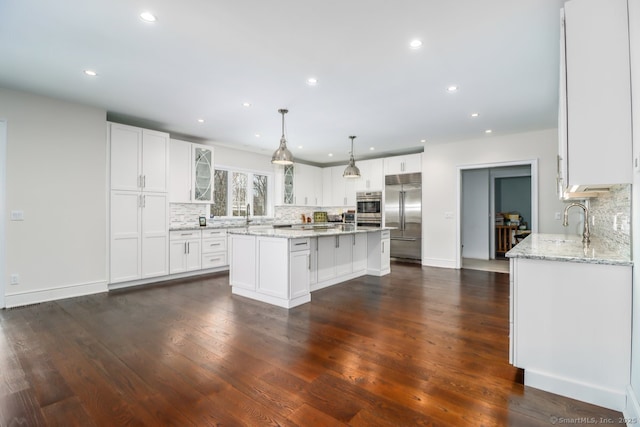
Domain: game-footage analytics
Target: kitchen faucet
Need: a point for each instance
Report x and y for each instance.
(586, 234)
(247, 213)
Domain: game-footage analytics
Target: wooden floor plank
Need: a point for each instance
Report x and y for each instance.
(421, 346)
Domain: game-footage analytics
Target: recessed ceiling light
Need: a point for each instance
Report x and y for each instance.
(330, 154)
(147, 17)
(312, 81)
(90, 73)
(452, 88)
(257, 135)
(415, 44)
(300, 147)
(488, 131)
(200, 120)
(246, 104)
(475, 114)
(423, 140)
(372, 148)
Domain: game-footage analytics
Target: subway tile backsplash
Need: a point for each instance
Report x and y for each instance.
(611, 214)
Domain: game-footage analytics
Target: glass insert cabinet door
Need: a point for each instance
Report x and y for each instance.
(288, 184)
(202, 173)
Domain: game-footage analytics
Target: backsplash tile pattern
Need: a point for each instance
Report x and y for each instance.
(186, 214)
(294, 213)
(612, 218)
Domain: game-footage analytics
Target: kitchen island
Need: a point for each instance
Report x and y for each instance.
(283, 266)
(570, 317)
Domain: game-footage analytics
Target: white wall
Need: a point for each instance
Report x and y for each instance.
(224, 156)
(475, 213)
(56, 174)
(633, 401)
(439, 168)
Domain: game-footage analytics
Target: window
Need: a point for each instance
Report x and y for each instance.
(235, 189)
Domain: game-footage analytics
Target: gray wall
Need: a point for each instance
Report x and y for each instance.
(514, 195)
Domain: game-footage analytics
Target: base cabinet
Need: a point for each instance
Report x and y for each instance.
(571, 328)
(379, 253)
(185, 251)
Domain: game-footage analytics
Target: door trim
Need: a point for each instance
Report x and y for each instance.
(3, 210)
(533, 163)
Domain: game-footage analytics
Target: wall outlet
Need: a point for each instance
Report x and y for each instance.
(14, 279)
(558, 216)
(17, 215)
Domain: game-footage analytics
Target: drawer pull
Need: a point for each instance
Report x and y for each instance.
(301, 244)
(215, 259)
(214, 244)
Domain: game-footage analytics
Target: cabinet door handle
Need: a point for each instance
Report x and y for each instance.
(188, 247)
(309, 262)
(144, 201)
(144, 181)
(337, 242)
(354, 239)
(185, 247)
(382, 247)
(139, 181)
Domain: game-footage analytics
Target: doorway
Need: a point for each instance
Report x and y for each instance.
(484, 191)
(3, 208)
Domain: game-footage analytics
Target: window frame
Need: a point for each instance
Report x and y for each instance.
(270, 206)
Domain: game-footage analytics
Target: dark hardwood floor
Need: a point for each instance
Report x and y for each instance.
(422, 346)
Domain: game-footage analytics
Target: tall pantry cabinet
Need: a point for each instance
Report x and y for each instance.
(139, 203)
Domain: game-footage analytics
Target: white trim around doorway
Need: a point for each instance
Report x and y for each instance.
(3, 210)
(533, 163)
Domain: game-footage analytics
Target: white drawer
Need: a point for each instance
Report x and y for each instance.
(184, 234)
(216, 232)
(215, 244)
(301, 244)
(214, 260)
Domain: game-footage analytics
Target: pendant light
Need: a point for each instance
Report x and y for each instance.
(351, 171)
(282, 156)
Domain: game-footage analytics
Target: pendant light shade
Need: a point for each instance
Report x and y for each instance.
(282, 156)
(351, 171)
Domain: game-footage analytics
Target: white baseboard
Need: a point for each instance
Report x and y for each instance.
(632, 411)
(19, 299)
(122, 285)
(436, 262)
(280, 302)
(585, 392)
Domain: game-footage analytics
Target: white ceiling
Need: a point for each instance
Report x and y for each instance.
(205, 58)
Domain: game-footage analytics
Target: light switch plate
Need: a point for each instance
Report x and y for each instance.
(17, 215)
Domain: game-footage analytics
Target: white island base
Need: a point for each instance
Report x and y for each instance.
(282, 267)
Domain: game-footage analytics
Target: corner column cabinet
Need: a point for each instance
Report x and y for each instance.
(595, 94)
(191, 171)
(409, 163)
(139, 205)
(185, 251)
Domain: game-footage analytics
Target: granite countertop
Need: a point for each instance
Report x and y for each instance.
(226, 224)
(289, 233)
(567, 248)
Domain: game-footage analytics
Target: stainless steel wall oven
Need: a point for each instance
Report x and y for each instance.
(369, 208)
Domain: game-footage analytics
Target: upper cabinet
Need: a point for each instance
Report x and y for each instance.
(371, 175)
(595, 95)
(191, 172)
(409, 163)
(338, 190)
(139, 159)
(299, 185)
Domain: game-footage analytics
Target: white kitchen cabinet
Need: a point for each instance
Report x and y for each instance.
(571, 328)
(191, 171)
(300, 185)
(379, 253)
(243, 256)
(139, 205)
(139, 158)
(271, 269)
(371, 175)
(214, 248)
(326, 258)
(337, 190)
(305, 185)
(344, 255)
(185, 251)
(595, 94)
(359, 252)
(409, 163)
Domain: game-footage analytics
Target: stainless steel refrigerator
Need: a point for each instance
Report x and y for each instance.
(403, 211)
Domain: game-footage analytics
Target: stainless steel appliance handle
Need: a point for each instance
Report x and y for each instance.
(402, 210)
